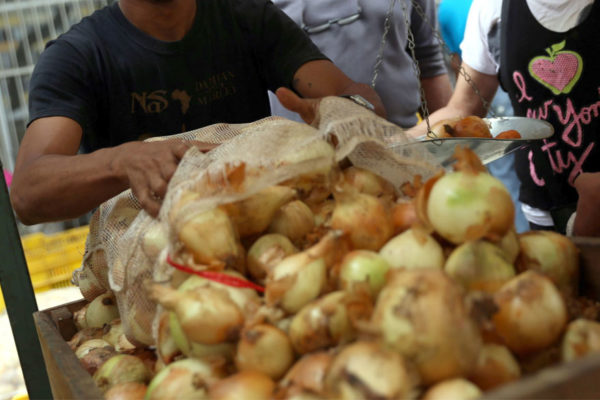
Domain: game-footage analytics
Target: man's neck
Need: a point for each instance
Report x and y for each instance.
(166, 20)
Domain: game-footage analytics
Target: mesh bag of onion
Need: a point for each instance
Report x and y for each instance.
(126, 247)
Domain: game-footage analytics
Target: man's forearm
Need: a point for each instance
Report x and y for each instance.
(58, 187)
(368, 93)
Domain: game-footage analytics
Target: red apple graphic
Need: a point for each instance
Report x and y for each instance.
(560, 71)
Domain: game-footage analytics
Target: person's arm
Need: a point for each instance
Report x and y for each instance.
(438, 91)
(464, 100)
(321, 78)
(52, 182)
(587, 220)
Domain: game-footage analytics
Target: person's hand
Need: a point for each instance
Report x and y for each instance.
(306, 108)
(587, 220)
(147, 168)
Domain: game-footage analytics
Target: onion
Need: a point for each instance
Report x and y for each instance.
(365, 218)
(211, 237)
(404, 215)
(243, 385)
(121, 368)
(91, 344)
(154, 240)
(365, 370)
(422, 314)
(363, 267)
(326, 322)
(532, 314)
(367, 182)
(294, 220)
(496, 366)
(189, 348)
(444, 128)
(510, 244)
(83, 335)
(102, 310)
(413, 249)
(207, 315)
(94, 358)
(115, 335)
(581, 338)
(254, 214)
(479, 265)
(265, 349)
(126, 391)
(307, 374)
(453, 389)
(323, 211)
(138, 322)
(471, 126)
(552, 254)
(184, 379)
(300, 278)
(266, 252)
(166, 347)
(468, 204)
(79, 318)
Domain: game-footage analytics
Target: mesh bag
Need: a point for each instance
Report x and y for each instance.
(251, 157)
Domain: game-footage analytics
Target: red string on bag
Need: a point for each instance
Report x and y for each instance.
(217, 276)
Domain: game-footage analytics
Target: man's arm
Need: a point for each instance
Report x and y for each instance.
(587, 220)
(52, 182)
(438, 91)
(322, 78)
(464, 100)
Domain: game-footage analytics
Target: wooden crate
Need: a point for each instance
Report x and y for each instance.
(576, 380)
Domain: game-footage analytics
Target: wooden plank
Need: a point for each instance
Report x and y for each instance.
(589, 278)
(68, 379)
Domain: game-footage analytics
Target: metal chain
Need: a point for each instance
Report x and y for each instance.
(386, 28)
(411, 45)
(459, 67)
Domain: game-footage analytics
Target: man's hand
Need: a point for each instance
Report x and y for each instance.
(587, 221)
(306, 108)
(147, 168)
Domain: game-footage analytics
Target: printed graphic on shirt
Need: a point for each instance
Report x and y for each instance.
(559, 71)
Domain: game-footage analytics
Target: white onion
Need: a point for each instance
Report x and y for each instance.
(121, 368)
(496, 366)
(266, 349)
(367, 182)
(294, 220)
(102, 310)
(126, 391)
(363, 267)
(266, 252)
(307, 374)
(479, 265)
(155, 239)
(412, 249)
(581, 338)
(453, 389)
(243, 385)
(532, 313)
(422, 314)
(552, 254)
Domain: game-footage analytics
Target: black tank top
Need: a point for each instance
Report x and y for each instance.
(552, 76)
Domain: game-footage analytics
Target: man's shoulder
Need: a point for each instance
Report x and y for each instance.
(88, 30)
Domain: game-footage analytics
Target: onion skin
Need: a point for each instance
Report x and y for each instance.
(531, 313)
(581, 338)
(93, 359)
(266, 252)
(265, 349)
(83, 335)
(453, 389)
(471, 126)
(496, 366)
(552, 254)
(366, 370)
(466, 205)
(243, 385)
(422, 314)
(367, 182)
(511, 246)
(121, 368)
(127, 391)
(479, 265)
(413, 249)
(184, 379)
(166, 347)
(404, 216)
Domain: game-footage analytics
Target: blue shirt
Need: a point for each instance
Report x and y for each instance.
(452, 16)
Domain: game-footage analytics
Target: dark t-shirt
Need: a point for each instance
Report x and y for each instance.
(120, 84)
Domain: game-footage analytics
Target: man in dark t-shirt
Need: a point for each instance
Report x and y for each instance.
(143, 68)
